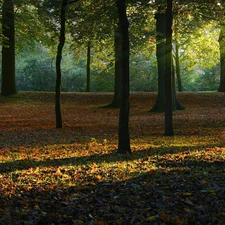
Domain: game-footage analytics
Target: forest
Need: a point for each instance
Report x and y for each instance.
(112, 112)
(196, 45)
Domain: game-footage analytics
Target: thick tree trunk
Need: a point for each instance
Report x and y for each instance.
(160, 54)
(58, 65)
(8, 49)
(88, 84)
(168, 75)
(124, 136)
(222, 58)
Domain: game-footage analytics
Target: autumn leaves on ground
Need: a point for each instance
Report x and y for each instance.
(74, 176)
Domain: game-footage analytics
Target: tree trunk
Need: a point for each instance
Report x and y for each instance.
(58, 65)
(177, 66)
(124, 136)
(168, 70)
(8, 49)
(88, 67)
(116, 98)
(160, 54)
(222, 58)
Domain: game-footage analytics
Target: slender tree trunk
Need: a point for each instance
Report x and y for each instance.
(58, 65)
(222, 58)
(116, 98)
(88, 67)
(8, 49)
(124, 136)
(177, 66)
(175, 102)
(168, 76)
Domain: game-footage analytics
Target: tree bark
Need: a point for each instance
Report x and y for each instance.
(88, 67)
(116, 98)
(8, 49)
(177, 66)
(168, 75)
(160, 54)
(58, 65)
(124, 136)
(159, 105)
(222, 58)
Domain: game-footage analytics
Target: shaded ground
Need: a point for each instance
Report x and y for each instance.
(73, 176)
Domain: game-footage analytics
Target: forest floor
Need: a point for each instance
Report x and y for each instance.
(74, 176)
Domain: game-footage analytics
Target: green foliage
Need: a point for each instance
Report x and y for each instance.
(143, 73)
(36, 71)
(37, 22)
(201, 79)
(202, 48)
(37, 75)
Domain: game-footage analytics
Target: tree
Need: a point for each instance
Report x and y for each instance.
(195, 35)
(168, 71)
(160, 17)
(8, 49)
(161, 21)
(58, 65)
(176, 55)
(88, 82)
(124, 136)
(222, 58)
(64, 5)
(117, 64)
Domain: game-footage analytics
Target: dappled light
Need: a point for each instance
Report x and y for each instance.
(74, 176)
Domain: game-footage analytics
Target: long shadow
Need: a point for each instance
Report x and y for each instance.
(163, 197)
(85, 160)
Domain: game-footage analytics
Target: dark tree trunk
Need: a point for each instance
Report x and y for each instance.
(177, 66)
(8, 49)
(160, 54)
(222, 58)
(175, 102)
(88, 67)
(116, 98)
(168, 74)
(124, 136)
(58, 65)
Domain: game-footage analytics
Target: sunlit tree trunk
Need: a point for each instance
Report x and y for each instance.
(88, 84)
(8, 49)
(124, 136)
(222, 58)
(168, 72)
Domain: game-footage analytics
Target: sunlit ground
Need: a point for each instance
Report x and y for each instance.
(172, 180)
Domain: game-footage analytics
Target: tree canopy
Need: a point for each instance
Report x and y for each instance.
(196, 29)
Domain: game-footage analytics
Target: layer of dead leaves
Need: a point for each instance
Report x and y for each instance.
(74, 176)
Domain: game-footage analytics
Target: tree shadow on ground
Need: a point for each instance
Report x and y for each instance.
(188, 195)
(112, 157)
